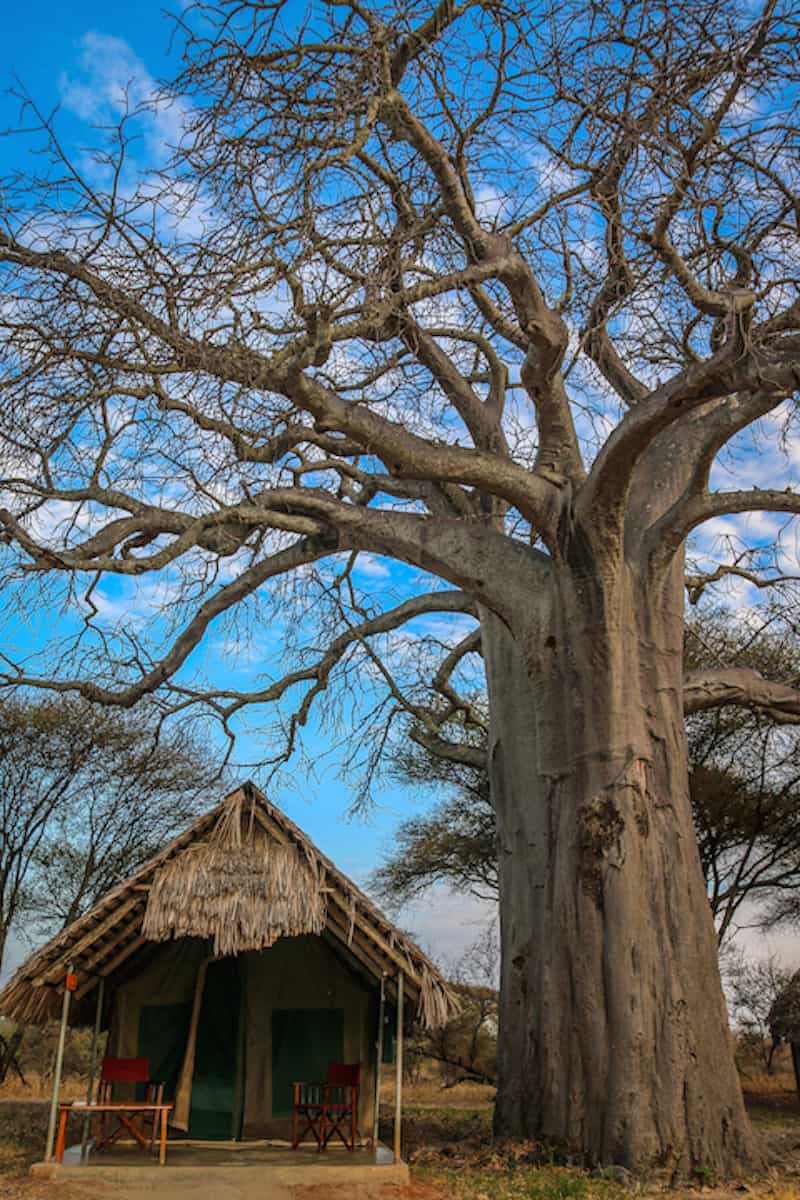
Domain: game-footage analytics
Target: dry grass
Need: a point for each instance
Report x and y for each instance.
(23, 1126)
(542, 1183)
(554, 1183)
(429, 1093)
(39, 1088)
(754, 1075)
(23, 1129)
(447, 1139)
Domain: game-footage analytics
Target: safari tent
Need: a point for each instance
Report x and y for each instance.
(237, 960)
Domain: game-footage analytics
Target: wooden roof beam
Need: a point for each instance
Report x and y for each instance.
(54, 971)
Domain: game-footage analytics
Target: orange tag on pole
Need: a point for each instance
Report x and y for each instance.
(72, 983)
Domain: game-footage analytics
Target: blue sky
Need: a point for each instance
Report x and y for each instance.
(41, 40)
(59, 53)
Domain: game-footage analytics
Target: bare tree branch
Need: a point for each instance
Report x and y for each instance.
(738, 685)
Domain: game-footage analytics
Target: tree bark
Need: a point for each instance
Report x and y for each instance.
(614, 1039)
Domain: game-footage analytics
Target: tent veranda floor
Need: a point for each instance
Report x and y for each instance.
(250, 1168)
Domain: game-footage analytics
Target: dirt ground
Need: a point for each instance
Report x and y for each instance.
(447, 1143)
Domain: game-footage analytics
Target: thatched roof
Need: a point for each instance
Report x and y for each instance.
(243, 875)
(784, 1016)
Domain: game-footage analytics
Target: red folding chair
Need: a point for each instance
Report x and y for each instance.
(341, 1103)
(328, 1108)
(308, 1105)
(120, 1071)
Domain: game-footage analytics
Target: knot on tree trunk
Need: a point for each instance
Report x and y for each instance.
(601, 825)
(600, 830)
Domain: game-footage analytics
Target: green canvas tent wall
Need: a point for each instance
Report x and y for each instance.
(238, 960)
(266, 1019)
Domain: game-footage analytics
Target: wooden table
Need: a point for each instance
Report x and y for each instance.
(126, 1115)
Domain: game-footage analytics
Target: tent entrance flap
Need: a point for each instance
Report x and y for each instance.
(216, 1111)
(163, 1030)
(304, 1041)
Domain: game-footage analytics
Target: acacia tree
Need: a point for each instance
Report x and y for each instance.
(755, 988)
(745, 782)
(485, 289)
(466, 1047)
(86, 796)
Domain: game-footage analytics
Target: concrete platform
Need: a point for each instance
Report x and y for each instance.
(234, 1171)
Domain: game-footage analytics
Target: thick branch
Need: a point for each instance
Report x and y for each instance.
(732, 370)
(676, 468)
(743, 687)
(693, 509)
(405, 453)
(458, 752)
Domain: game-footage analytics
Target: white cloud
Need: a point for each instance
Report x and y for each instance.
(445, 923)
(16, 951)
(489, 202)
(111, 80)
(372, 566)
(755, 943)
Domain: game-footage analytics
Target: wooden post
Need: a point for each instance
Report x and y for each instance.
(98, 1018)
(62, 1033)
(398, 1078)
(62, 1134)
(162, 1146)
(378, 1060)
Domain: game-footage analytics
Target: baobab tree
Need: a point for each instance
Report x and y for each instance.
(744, 788)
(488, 290)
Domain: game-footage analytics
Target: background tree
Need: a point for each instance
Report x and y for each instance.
(86, 796)
(35, 1052)
(466, 1047)
(745, 782)
(487, 290)
(745, 778)
(754, 986)
(455, 842)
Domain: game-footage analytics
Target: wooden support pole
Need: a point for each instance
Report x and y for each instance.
(378, 1060)
(398, 1077)
(62, 1034)
(98, 1020)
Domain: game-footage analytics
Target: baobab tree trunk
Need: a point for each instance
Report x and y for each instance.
(614, 1039)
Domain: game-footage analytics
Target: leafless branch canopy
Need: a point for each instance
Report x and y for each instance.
(435, 284)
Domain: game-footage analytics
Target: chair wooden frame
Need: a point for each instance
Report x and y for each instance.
(328, 1108)
(130, 1119)
(308, 1105)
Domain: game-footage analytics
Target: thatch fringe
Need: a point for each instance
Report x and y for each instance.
(437, 1003)
(240, 888)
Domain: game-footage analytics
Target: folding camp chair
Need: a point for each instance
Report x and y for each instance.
(114, 1125)
(328, 1108)
(341, 1103)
